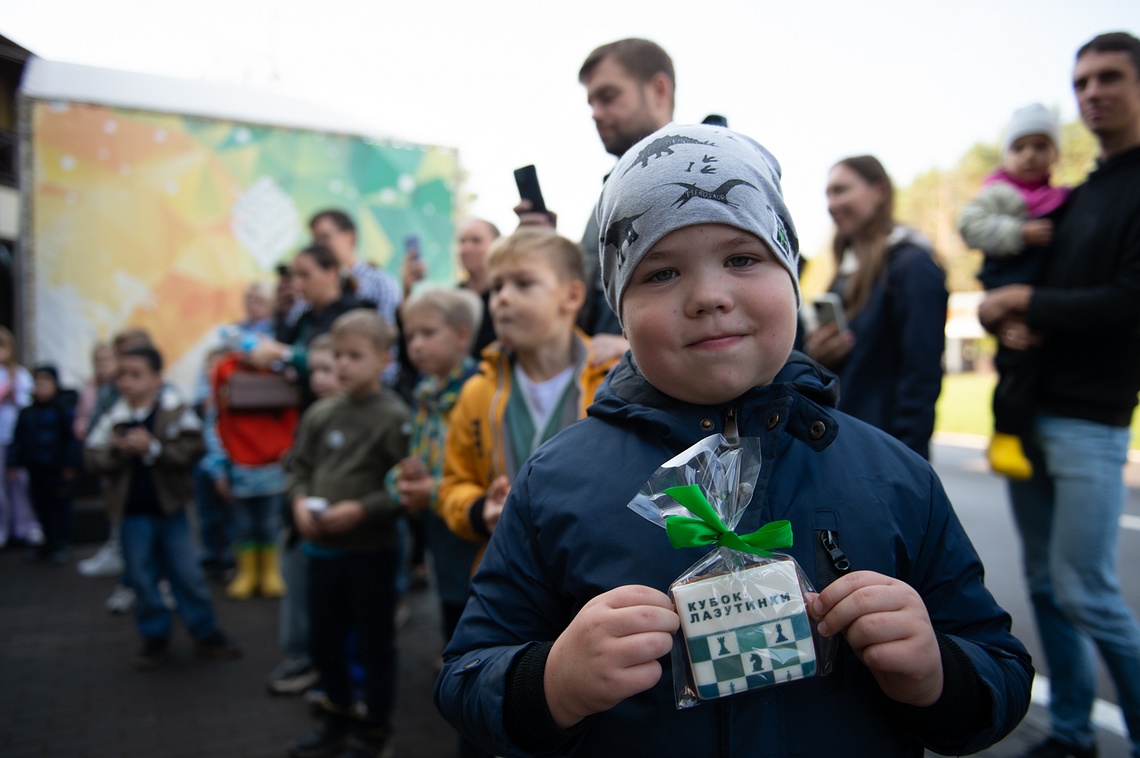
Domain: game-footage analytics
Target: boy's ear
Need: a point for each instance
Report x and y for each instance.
(575, 295)
(466, 333)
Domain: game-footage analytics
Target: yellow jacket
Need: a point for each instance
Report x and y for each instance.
(475, 452)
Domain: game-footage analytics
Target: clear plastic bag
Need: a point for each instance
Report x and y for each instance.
(743, 609)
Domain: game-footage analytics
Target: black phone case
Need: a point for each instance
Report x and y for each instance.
(527, 180)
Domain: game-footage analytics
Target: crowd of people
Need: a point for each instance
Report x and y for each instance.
(354, 429)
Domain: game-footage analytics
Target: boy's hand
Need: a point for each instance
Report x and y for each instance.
(304, 520)
(136, 441)
(609, 652)
(415, 494)
(414, 484)
(1037, 232)
(342, 516)
(494, 501)
(887, 626)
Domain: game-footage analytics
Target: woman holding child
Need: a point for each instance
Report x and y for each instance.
(894, 294)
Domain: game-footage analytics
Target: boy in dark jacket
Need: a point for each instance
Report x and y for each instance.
(568, 628)
(44, 444)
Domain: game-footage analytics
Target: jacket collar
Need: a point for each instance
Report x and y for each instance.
(168, 400)
(797, 402)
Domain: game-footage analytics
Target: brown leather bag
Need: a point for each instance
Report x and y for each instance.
(260, 391)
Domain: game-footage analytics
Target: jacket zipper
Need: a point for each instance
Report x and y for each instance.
(731, 430)
(835, 555)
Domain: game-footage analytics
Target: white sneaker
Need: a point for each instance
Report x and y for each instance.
(122, 600)
(107, 562)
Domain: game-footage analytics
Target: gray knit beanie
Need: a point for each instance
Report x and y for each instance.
(685, 175)
(1032, 119)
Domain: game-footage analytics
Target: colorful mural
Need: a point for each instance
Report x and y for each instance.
(161, 221)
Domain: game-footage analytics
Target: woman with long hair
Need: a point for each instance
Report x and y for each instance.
(889, 359)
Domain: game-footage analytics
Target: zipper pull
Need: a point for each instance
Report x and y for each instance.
(730, 427)
(838, 559)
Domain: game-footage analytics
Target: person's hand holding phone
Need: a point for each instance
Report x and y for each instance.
(531, 209)
(413, 269)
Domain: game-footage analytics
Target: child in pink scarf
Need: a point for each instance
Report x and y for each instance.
(1009, 221)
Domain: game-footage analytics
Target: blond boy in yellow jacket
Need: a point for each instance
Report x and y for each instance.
(537, 378)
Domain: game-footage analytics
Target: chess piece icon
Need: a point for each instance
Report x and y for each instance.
(757, 662)
(780, 633)
(723, 650)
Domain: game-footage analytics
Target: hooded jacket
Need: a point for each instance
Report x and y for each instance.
(566, 536)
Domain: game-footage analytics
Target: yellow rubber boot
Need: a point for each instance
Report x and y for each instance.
(272, 584)
(1008, 458)
(244, 584)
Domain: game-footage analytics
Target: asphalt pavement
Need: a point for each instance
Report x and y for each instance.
(67, 688)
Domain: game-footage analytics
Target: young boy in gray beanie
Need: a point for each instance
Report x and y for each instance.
(568, 628)
(1009, 221)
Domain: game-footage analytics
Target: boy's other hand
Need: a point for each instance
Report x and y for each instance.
(415, 493)
(342, 516)
(136, 441)
(1037, 232)
(494, 501)
(886, 624)
(304, 520)
(609, 652)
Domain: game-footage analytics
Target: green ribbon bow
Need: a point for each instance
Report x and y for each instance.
(708, 529)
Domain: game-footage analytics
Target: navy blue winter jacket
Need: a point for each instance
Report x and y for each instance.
(893, 375)
(43, 440)
(566, 536)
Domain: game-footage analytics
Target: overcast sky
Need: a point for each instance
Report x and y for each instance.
(915, 83)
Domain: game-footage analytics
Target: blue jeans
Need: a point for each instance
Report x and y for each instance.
(1068, 515)
(215, 526)
(161, 546)
(294, 608)
(257, 520)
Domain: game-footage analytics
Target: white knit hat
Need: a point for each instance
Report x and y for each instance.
(681, 176)
(1032, 119)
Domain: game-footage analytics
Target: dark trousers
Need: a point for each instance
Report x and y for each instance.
(1014, 393)
(355, 592)
(52, 502)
